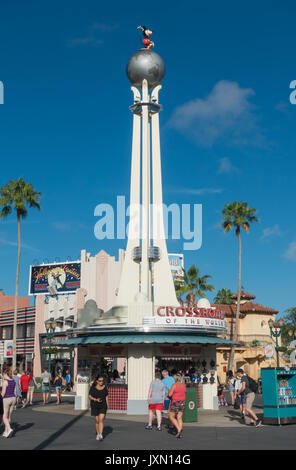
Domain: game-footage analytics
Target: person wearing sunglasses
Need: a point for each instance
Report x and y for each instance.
(99, 403)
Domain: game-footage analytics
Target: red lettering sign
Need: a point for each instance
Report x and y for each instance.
(170, 311)
(159, 311)
(180, 311)
(190, 312)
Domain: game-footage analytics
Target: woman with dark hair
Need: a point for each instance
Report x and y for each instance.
(99, 403)
(58, 382)
(115, 376)
(231, 384)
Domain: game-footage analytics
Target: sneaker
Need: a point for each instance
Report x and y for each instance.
(4, 434)
(258, 423)
(159, 428)
(98, 437)
(148, 427)
(8, 434)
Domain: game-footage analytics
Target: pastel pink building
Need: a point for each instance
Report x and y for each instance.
(100, 276)
(7, 302)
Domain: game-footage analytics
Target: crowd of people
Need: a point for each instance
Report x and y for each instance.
(242, 389)
(166, 393)
(17, 390)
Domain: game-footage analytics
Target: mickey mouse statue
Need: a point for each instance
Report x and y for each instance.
(146, 33)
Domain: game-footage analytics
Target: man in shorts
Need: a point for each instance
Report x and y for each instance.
(247, 398)
(46, 378)
(156, 396)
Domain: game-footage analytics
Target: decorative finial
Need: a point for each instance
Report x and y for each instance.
(146, 33)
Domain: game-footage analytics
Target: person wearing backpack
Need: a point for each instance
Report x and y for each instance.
(247, 397)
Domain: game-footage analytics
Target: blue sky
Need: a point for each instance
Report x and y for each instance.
(227, 128)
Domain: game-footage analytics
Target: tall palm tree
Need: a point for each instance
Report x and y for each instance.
(224, 297)
(179, 289)
(195, 284)
(17, 195)
(237, 215)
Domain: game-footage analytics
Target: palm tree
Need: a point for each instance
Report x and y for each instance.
(224, 297)
(289, 325)
(179, 289)
(237, 215)
(195, 284)
(18, 195)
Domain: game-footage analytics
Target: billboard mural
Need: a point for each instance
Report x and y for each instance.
(56, 278)
(177, 264)
(8, 348)
(176, 261)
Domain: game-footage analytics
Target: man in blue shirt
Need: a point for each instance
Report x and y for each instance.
(168, 383)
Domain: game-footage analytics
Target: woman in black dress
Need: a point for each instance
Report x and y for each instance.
(99, 404)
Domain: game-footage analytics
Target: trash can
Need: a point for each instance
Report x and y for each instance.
(190, 412)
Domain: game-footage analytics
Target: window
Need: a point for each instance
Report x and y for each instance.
(7, 332)
(20, 331)
(30, 331)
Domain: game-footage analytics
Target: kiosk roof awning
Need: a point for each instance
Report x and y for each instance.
(146, 339)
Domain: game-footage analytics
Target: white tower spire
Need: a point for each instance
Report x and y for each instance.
(146, 247)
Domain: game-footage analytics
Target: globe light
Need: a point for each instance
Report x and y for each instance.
(50, 325)
(281, 323)
(271, 323)
(145, 64)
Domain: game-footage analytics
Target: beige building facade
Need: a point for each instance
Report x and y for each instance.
(253, 336)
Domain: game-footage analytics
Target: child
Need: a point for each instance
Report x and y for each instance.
(221, 397)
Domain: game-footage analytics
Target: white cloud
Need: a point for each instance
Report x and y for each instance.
(4, 241)
(269, 232)
(93, 35)
(226, 115)
(226, 166)
(198, 192)
(62, 226)
(290, 254)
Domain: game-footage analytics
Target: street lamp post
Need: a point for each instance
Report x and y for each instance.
(50, 326)
(292, 333)
(276, 331)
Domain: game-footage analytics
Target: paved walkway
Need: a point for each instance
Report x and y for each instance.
(225, 417)
(61, 427)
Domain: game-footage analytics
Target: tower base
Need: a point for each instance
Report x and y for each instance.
(137, 407)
